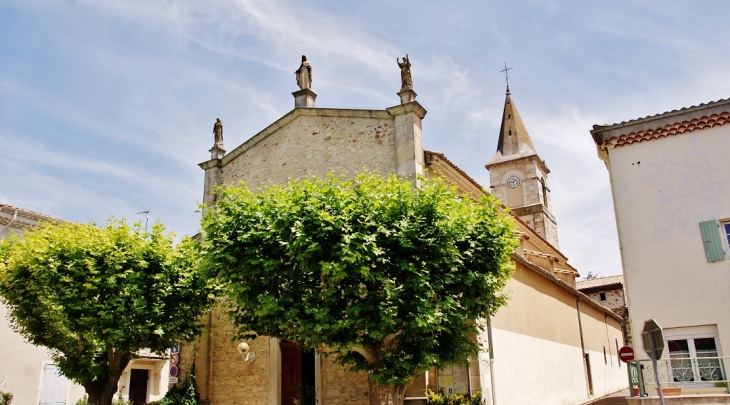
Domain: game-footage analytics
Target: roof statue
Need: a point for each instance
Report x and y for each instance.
(218, 133)
(405, 74)
(304, 74)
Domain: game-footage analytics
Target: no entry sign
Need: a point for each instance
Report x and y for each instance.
(626, 354)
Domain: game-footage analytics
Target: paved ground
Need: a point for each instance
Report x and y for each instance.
(618, 398)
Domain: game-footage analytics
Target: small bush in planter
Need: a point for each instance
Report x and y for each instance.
(5, 398)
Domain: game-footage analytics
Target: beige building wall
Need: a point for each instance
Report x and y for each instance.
(545, 327)
(662, 190)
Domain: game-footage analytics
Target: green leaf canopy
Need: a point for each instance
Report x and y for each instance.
(389, 276)
(96, 295)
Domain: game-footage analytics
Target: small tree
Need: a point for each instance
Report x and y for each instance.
(390, 277)
(94, 296)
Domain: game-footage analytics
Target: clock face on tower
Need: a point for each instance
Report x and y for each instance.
(513, 182)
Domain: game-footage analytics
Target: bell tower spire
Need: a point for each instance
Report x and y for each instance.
(518, 176)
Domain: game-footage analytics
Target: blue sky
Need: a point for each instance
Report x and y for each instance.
(107, 106)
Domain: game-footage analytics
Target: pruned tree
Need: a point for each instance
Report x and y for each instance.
(94, 296)
(390, 277)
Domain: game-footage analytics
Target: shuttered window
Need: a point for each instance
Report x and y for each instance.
(712, 240)
(53, 388)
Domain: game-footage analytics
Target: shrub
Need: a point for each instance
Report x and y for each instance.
(5, 398)
(441, 399)
(184, 395)
(119, 401)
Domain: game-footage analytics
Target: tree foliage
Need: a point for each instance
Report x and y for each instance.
(94, 296)
(390, 277)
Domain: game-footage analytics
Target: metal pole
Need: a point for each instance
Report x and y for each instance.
(491, 360)
(656, 370)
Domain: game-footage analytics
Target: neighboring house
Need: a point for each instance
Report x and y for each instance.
(668, 176)
(28, 371)
(550, 345)
(609, 291)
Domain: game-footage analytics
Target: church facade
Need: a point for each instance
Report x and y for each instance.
(550, 345)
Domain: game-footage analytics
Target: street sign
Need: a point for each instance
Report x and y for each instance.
(173, 380)
(174, 359)
(652, 338)
(626, 354)
(174, 371)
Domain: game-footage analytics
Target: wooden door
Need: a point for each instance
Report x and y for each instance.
(138, 386)
(291, 372)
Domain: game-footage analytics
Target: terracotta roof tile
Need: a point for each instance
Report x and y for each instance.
(683, 109)
(676, 128)
(600, 282)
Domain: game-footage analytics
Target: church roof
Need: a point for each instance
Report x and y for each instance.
(514, 141)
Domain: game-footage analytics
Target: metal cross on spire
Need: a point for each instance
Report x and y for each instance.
(506, 76)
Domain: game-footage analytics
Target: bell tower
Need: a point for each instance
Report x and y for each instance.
(518, 176)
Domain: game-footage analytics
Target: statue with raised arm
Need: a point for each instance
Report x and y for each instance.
(405, 74)
(304, 74)
(218, 133)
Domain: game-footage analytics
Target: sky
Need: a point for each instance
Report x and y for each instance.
(107, 106)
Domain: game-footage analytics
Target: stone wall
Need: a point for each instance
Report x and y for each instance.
(342, 386)
(614, 298)
(234, 381)
(339, 141)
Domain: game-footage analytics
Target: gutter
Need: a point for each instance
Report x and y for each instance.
(582, 347)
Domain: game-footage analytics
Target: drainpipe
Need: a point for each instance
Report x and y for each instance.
(209, 359)
(491, 359)
(582, 344)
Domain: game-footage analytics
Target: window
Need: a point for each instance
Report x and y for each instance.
(603, 296)
(726, 227)
(693, 354)
(694, 360)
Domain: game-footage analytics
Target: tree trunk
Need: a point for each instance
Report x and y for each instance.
(385, 394)
(101, 392)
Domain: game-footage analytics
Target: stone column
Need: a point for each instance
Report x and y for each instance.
(304, 98)
(212, 169)
(408, 139)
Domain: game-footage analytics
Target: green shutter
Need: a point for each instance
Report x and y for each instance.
(712, 240)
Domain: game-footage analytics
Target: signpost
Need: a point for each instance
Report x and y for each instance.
(174, 360)
(652, 338)
(626, 354)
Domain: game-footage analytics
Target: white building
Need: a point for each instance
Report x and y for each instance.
(669, 179)
(27, 371)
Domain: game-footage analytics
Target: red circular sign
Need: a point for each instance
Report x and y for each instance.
(174, 371)
(626, 353)
(174, 359)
